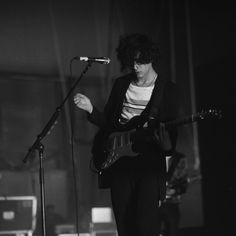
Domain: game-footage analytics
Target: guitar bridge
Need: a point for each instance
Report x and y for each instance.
(111, 158)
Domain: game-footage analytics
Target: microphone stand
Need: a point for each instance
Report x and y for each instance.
(37, 145)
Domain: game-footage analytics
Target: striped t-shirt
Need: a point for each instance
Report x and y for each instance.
(135, 101)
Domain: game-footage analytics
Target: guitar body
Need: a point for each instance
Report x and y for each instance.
(111, 144)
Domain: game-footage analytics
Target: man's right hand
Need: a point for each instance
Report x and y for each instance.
(83, 102)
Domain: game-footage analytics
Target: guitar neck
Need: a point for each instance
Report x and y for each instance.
(182, 121)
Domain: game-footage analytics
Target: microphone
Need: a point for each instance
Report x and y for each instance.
(101, 60)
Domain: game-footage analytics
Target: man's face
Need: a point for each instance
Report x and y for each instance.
(141, 70)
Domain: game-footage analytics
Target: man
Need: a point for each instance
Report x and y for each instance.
(140, 101)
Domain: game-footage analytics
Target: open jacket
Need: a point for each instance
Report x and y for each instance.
(162, 105)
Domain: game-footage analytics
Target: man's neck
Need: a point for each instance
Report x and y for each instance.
(148, 79)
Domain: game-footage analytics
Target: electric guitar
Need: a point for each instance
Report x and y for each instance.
(110, 146)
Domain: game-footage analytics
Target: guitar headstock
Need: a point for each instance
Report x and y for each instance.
(211, 113)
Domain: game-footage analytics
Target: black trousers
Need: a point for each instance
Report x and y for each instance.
(170, 219)
(135, 195)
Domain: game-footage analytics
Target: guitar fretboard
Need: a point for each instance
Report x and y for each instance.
(182, 121)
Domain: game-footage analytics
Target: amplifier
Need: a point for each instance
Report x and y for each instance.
(103, 223)
(17, 214)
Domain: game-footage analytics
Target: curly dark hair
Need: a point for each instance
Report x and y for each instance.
(136, 48)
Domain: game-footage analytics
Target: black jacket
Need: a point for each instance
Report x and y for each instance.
(163, 103)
